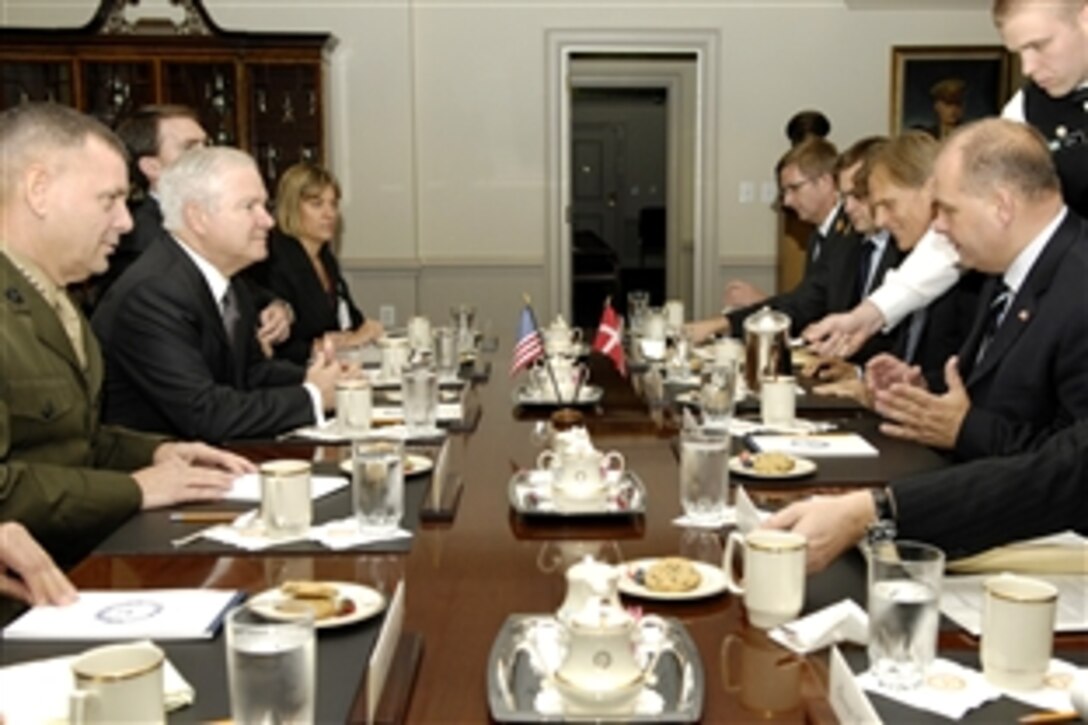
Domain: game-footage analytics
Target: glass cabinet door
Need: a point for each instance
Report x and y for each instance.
(285, 116)
(36, 80)
(113, 90)
(211, 89)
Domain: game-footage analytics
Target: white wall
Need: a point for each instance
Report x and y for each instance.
(439, 129)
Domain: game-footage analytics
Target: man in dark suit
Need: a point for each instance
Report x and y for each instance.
(1020, 374)
(807, 180)
(68, 479)
(179, 332)
(963, 509)
(156, 136)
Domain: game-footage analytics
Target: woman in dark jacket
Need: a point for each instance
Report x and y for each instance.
(302, 269)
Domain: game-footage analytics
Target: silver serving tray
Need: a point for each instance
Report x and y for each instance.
(588, 395)
(625, 497)
(513, 680)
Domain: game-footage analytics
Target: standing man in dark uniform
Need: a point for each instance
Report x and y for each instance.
(1051, 38)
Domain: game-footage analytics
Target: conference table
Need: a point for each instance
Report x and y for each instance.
(465, 575)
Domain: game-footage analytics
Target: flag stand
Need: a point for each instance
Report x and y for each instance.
(547, 360)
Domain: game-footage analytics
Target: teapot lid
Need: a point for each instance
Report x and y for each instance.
(559, 322)
(767, 320)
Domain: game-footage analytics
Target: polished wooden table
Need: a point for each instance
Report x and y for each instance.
(464, 578)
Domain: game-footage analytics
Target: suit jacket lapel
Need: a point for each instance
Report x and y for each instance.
(209, 311)
(1021, 310)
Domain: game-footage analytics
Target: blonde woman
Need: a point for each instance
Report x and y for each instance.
(302, 269)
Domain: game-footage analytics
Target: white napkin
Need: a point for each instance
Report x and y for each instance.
(246, 532)
(844, 621)
(1056, 691)
(652, 349)
(345, 534)
(748, 516)
(949, 689)
(22, 687)
(727, 518)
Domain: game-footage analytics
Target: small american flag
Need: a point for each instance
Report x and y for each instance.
(529, 346)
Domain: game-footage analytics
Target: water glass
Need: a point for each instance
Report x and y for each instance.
(904, 594)
(353, 407)
(718, 395)
(419, 388)
(377, 483)
(445, 352)
(286, 508)
(271, 667)
(704, 474)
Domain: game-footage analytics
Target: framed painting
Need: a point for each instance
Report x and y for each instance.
(935, 89)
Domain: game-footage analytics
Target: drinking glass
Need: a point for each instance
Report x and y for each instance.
(704, 474)
(904, 593)
(445, 352)
(377, 483)
(286, 508)
(419, 388)
(718, 395)
(270, 667)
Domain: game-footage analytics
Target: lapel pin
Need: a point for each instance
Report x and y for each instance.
(1023, 315)
(1061, 132)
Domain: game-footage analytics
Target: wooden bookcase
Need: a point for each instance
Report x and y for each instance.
(262, 92)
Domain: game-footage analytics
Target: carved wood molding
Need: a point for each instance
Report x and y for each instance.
(111, 20)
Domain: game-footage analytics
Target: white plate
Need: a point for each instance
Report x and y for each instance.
(801, 467)
(414, 464)
(368, 602)
(712, 583)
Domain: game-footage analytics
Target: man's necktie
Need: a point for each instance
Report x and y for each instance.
(865, 263)
(999, 304)
(230, 312)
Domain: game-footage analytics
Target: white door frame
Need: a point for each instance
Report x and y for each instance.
(562, 45)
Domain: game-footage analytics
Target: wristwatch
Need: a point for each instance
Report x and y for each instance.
(883, 529)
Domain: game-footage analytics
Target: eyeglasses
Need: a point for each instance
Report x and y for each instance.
(794, 187)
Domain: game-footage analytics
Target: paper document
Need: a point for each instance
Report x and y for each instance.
(826, 445)
(247, 487)
(162, 614)
(961, 601)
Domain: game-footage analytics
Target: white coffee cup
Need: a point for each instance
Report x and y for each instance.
(353, 406)
(774, 574)
(674, 314)
(1017, 630)
(419, 333)
(286, 505)
(118, 683)
(778, 404)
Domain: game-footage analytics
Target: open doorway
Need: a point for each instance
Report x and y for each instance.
(619, 196)
(677, 69)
